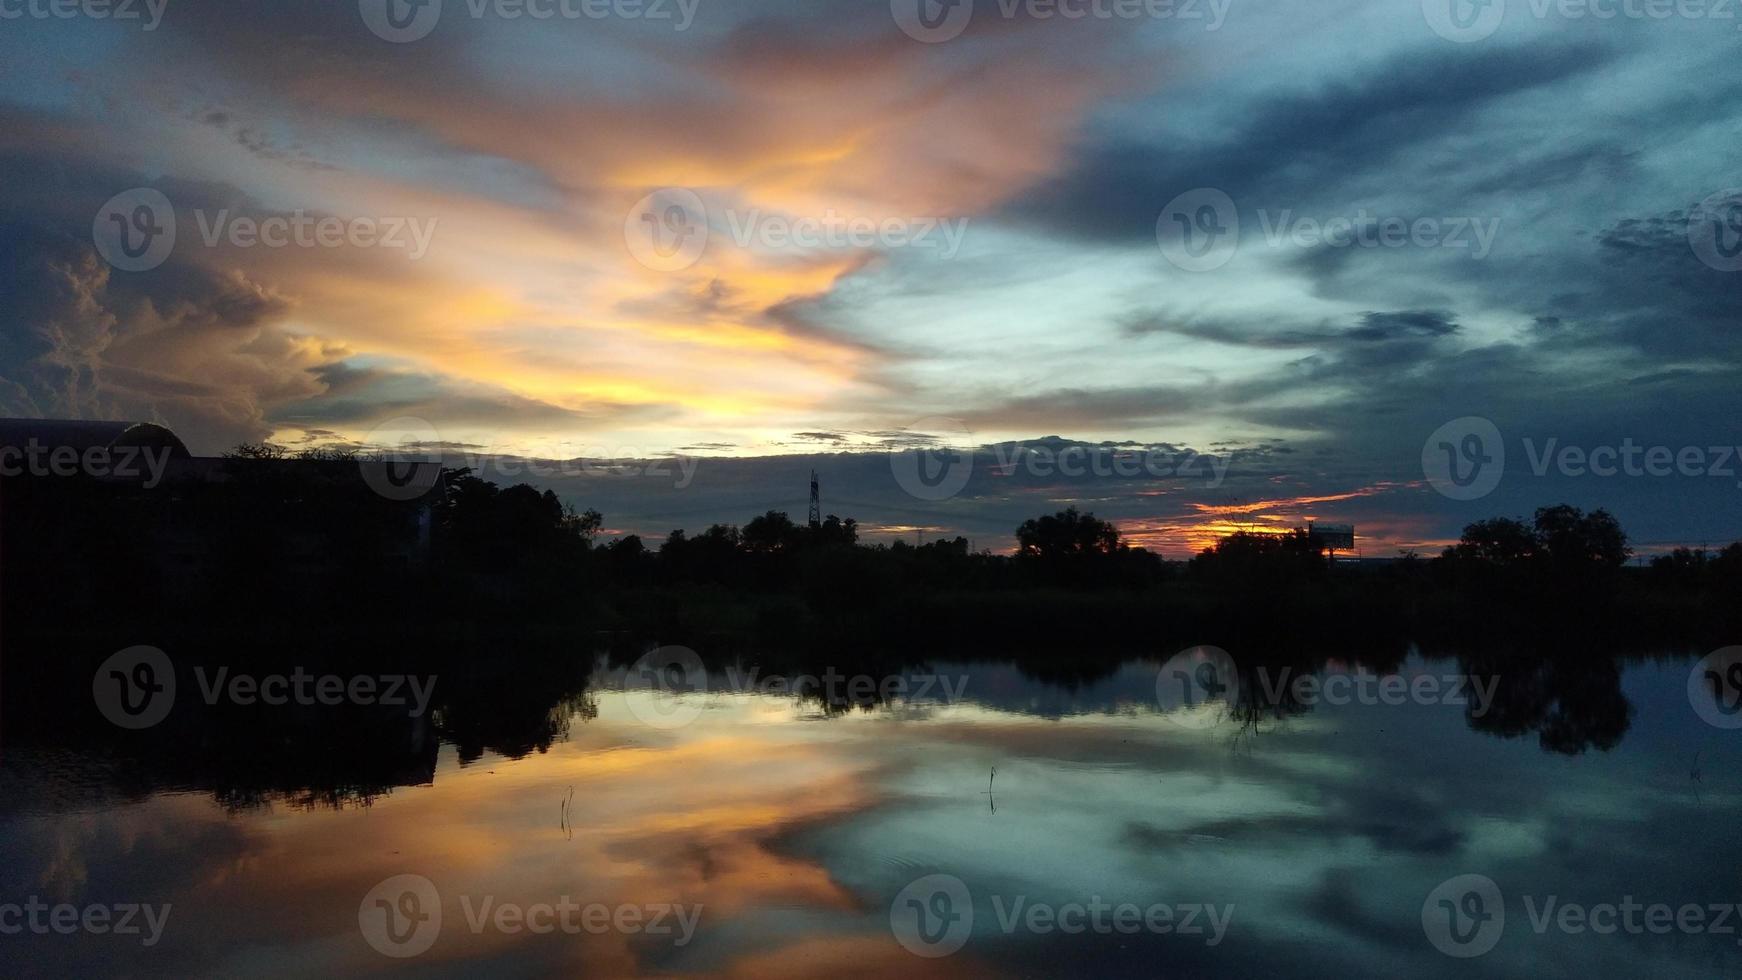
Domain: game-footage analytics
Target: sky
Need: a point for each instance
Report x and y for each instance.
(1316, 245)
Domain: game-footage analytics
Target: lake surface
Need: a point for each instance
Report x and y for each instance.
(749, 831)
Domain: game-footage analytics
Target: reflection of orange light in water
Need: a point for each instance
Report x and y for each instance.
(695, 822)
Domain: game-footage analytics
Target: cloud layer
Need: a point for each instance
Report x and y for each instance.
(1548, 177)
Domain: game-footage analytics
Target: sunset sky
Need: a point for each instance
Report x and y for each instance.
(533, 323)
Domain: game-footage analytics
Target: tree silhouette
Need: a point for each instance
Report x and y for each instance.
(1567, 536)
(1500, 541)
(1562, 534)
(1066, 533)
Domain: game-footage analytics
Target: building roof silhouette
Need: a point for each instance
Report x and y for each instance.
(81, 435)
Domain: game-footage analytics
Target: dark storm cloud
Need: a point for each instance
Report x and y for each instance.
(188, 346)
(272, 40)
(1225, 330)
(1605, 158)
(1594, 374)
(1633, 285)
(1408, 323)
(1651, 270)
(1373, 326)
(75, 344)
(54, 319)
(1598, 322)
(1298, 147)
(198, 343)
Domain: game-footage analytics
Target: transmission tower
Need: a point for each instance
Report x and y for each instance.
(816, 502)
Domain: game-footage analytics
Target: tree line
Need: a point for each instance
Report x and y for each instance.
(271, 537)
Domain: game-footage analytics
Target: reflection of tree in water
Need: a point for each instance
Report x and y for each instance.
(248, 547)
(341, 766)
(1071, 675)
(511, 720)
(1572, 699)
(1572, 703)
(246, 758)
(301, 756)
(331, 757)
(1258, 703)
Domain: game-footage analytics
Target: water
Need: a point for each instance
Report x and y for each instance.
(772, 835)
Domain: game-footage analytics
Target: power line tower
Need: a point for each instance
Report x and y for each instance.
(816, 503)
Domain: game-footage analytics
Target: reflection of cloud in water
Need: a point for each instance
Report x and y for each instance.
(1325, 832)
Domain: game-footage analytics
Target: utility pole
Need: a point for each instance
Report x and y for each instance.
(816, 503)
